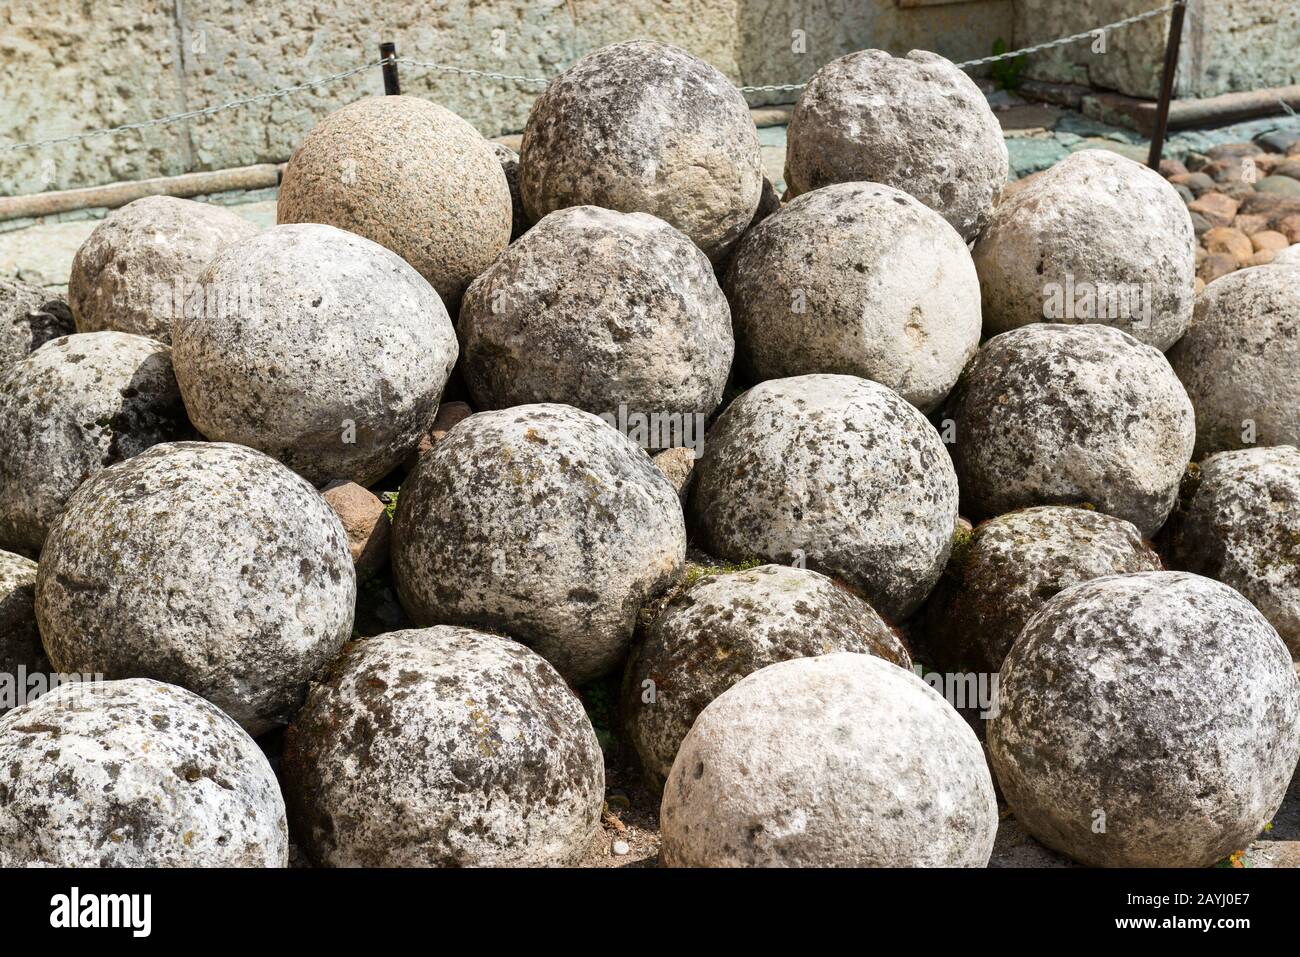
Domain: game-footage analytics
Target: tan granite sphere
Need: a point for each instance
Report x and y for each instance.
(411, 176)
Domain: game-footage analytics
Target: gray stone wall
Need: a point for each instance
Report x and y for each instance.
(68, 66)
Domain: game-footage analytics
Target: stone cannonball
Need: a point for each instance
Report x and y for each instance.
(20, 639)
(1097, 238)
(844, 760)
(916, 123)
(29, 317)
(859, 279)
(637, 321)
(141, 265)
(643, 127)
(1146, 720)
(541, 522)
(1059, 414)
(135, 773)
(74, 406)
(1242, 527)
(409, 175)
(731, 625)
(834, 472)
(206, 565)
(1010, 566)
(443, 747)
(331, 359)
(1239, 358)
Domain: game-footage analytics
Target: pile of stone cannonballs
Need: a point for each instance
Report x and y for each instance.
(925, 430)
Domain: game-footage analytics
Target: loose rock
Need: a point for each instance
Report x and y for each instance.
(135, 774)
(645, 127)
(859, 279)
(1061, 414)
(844, 760)
(206, 565)
(335, 367)
(29, 318)
(726, 627)
(1242, 527)
(1239, 358)
(364, 522)
(140, 269)
(636, 322)
(1146, 720)
(1097, 238)
(916, 123)
(74, 406)
(834, 472)
(1010, 566)
(542, 522)
(443, 747)
(409, 175)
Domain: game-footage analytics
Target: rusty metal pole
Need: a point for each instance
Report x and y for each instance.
(388, 52)
(1167, 84)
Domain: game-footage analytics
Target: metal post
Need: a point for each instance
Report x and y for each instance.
(1167, 84)
(388, 51)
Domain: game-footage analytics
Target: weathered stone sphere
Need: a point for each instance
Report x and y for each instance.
(20, 639)
(29, 317)
(1057, 415)
(409, 175)
(1010, 566)
(74, 406)
(643, 127)
(844, 760)
(1239, 358)
(141, 265)
(1097, 238)
(334, 364)
(135, 774)
(1242, 527)
(637, 320)
(541, 522)
(916, 123)
(726, 627)
(443, 747)
(832, 472)
(1146, 720)
(859, 279)
(206, 565)
(509, 161)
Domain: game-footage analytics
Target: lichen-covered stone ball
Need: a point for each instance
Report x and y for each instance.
(29, 317)
(731, 625)
(206, 565)
(916, 123)
(74, 406)
(140, 267)
(134, 773)
(1061, 414)
(1009, 566)
(20, 639)
(843, 760)
(334, 364)
(859, 279)
(1098, 238)
(1239, 358)
(1146, 720)
(637, 320)
(409, 175)
(1242, 527)
(542, 522)
(836, 473)
(443, 747)
(645, 127)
